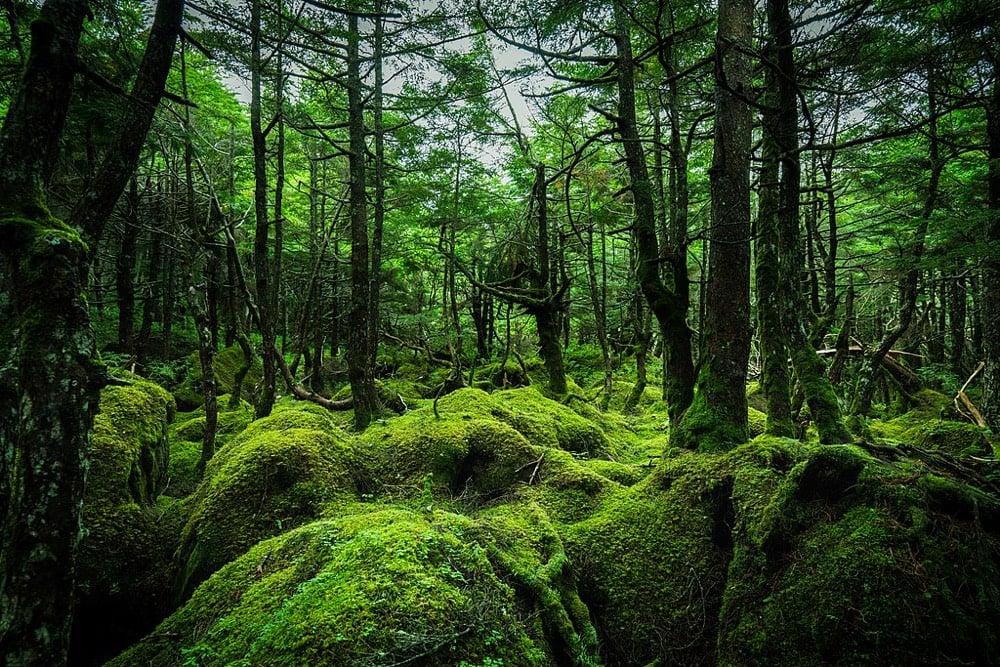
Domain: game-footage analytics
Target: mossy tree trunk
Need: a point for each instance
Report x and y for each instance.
(717, 418)
(669, 306)
(49, 379)
(991, 269)
(261, 254)
(781, 129)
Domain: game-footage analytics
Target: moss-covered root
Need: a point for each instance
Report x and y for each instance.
(711, 426)
(569, 632)
(823, 404)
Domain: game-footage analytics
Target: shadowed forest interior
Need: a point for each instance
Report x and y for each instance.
(499, 333)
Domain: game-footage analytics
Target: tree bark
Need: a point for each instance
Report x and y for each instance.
(50, 381)
(717, 418)
(668, 306)
(359, 350)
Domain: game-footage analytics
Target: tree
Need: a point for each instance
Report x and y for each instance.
(717, 418)
(50, 380)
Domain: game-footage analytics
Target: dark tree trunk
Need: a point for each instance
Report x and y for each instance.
(957, 316)
(717, 418)
(548, 313)
(124, 270)
(50, 380)
(261, 254)
(809, 368)
(360, 344)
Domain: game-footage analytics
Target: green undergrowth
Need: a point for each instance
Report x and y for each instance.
(930, 423)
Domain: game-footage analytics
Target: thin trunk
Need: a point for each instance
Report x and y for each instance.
(261, 255)
(125, 268)
(667, 305)
(957, 316)
(359, 349)
(809, 367)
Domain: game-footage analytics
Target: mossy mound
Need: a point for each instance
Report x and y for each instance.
(281, 472)
(183, 474)
(651, 564)
(756, 422)
(477, 444)
(856, 560)
(191, 425)
(129, 539)
(388, 587)
(466, 453)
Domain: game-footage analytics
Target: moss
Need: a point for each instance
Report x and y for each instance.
(623, 473)
(549, 424)
(227, 363)
(756, 422)
(708, 428)
(123, 567)
(647, 567)
(465, 452)
(230, 422)
(279, 473)
(851, 563)
(919, 427)
(386, 587)
(183, 474)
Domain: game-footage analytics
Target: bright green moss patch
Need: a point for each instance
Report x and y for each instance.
(277, 474)
(227, 364)
(183, 475)
(756, 422)
(388, 587)
(123, 567)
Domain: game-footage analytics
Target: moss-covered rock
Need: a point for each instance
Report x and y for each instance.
(123, 567)
(281, 472)
(756, 422)
(855, 561)
(467, 452)
(191, 425)
(388, 587)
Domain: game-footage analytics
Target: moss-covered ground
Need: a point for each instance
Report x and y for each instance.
(496, 526)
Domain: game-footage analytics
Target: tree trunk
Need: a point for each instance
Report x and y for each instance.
(359, 349)
(50, 380)
(809, 368)
(124, 268)
(261, 255)
(717, 418)
(668, 306)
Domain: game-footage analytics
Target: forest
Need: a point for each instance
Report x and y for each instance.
(499, 334)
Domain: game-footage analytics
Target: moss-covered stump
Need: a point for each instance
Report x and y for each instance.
(123, 570)
(389, 587)
(281, 472)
